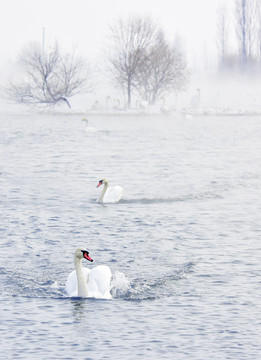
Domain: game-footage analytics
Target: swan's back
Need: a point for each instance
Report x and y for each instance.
(89, 129)
(113, 194)
(99, 282)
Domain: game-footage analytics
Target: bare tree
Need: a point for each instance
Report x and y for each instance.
(245, 23)
(222, 34)
(49, 77)
(130, 39)
(162, 70)
(258, 32)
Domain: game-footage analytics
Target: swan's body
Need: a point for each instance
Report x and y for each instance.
(142, 104)
(116, 104)
(83, 282)
(111, 194)
(87, 127)
(188, 116)
(164, 108)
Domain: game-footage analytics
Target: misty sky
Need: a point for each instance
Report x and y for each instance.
(84, 23)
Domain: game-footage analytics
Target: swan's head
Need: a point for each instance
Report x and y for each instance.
(80, 254)
(102, 181)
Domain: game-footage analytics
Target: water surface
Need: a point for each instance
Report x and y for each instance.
(183, 244)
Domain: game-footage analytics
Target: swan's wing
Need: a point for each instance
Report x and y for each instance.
(99, 282)
(113, 194)
(91, 129)
(71, 286)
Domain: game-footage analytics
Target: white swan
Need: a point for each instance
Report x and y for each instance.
(164, 108)
(83, 282)
(109, 195)
(142, 104)
(188, 116)
(88, 128)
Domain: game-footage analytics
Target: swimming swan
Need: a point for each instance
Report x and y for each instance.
(87, 127)
(83, 282)
(109, 195)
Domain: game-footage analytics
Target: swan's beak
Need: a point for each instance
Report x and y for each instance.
(100, 183)
(87, 257)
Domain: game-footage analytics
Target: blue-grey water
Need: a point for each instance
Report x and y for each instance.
(184, 244)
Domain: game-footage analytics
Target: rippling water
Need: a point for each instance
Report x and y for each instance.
(183, 244)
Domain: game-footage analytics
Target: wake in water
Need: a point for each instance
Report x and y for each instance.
(19, 283)
(189, 197)
(148, 289)
(120, 285)
(26, 285)
(183, 198)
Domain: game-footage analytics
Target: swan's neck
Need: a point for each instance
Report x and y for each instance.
(82, 288)
(105, 187)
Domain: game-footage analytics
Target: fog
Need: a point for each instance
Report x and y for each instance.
(227, 94)
(84, 26)
(219, 95)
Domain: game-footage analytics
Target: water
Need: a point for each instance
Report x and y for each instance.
(183, 244)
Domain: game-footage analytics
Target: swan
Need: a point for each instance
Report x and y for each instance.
(188, 116)
(83, 282)
(164, 108)
(116, 104)
(109, 195)
(88, 128)
(142, 104)
(108, 102)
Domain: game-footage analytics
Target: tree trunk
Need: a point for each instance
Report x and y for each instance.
(244, 54)
(129, 94)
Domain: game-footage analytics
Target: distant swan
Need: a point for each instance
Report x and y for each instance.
(83, 282)
(164, 108)
(188, 116)
(88, 128)
(109, 195)
(142, 104)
